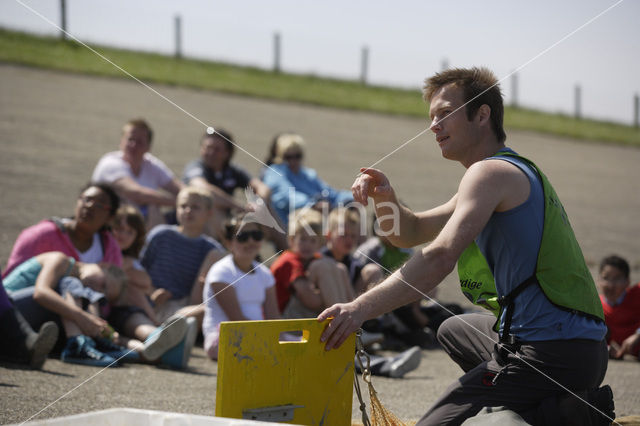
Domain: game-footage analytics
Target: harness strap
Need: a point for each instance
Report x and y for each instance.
(507, 303)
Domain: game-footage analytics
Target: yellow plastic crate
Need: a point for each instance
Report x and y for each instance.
(262, 377)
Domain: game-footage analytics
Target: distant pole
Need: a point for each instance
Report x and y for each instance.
(445, 64)
(364, 65)
(636, 111)
(63, 19)
(276, 52)
(578, 101)
(178, 36)
(514, 90)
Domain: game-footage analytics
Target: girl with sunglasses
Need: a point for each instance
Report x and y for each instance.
(237, 287)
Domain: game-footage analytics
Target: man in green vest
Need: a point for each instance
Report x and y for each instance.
(540, 349)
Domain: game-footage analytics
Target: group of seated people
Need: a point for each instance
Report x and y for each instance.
(148, 262)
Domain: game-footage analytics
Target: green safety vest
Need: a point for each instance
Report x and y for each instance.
(560, 271)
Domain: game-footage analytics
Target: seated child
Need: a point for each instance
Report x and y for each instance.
(128, 228)
(621, 305)
(237, 288)
(177, 257)
(50, 284)
(343, 235)
(134, 317)
(306, 282)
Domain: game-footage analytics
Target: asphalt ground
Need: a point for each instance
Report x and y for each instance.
(54, 127)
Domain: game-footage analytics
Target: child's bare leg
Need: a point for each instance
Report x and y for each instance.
(195, 311)
(71, 328)
(136, 329)
(137, 297)
(332, 280)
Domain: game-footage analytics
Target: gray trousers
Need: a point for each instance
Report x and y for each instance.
(521, 384)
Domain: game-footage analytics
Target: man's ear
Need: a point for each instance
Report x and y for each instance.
(484, 114)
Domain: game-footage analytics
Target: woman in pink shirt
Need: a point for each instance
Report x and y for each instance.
(84, 237)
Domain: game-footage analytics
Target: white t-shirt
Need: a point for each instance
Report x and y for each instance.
(154, 173)
(250, 290)
(94, 254)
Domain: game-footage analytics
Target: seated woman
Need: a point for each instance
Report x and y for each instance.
(84, 236)
(237, 288)
(294, 186)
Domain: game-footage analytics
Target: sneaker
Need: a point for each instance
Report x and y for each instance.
(178, 356)
(119, 353)
(81, 350)
(407, 361)
(169, 334)
(42, 344)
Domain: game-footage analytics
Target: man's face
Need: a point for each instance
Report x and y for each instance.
(612, 282)
(134, 143)
(454, 132)
(214, 153)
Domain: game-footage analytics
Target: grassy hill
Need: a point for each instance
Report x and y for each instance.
(53, 53)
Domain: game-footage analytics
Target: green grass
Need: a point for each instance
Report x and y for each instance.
(52, 53)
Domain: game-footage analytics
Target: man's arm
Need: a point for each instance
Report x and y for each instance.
(195, 297)
(173, 186)
(220, 198)
(142, 195)
(485, 187)
(260, 189)
(400, 225)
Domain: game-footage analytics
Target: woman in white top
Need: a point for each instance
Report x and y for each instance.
(237, 288)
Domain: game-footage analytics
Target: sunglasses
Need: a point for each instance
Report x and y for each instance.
(297, 156)
(244, 236)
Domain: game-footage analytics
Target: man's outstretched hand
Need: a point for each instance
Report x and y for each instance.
(371, 183)
(345, 318)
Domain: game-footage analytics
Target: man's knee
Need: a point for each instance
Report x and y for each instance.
(447, 330)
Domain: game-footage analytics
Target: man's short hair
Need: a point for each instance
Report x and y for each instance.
(225, 137)
(617, 262)
(198, 192)
(479, 87)
(139, 123)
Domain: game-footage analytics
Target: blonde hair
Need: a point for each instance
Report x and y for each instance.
(284, 143)
(305, 219)
(198, 192)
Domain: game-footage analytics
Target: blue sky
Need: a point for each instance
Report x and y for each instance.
(407, 40)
